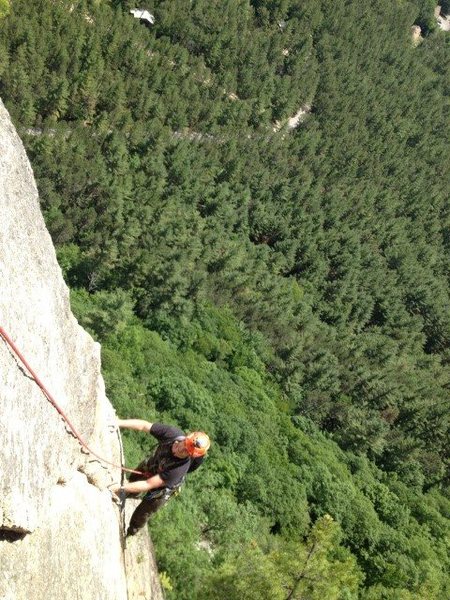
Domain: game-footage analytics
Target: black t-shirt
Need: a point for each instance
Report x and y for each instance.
(163, 463)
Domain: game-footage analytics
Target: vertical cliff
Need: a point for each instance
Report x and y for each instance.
(60, 533)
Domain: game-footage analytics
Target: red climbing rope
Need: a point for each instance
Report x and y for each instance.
(53, 402)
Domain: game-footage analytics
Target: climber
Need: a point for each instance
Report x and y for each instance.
(176, 455)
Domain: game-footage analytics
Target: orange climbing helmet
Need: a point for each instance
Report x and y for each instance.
(197, 444)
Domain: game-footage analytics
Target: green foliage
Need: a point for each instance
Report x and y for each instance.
(4, 8)
(317, 568)
(269, 483)
(165, 581)
(321, 567)
(250, 576)
(105, 313)
(425, 18)
(285, 290)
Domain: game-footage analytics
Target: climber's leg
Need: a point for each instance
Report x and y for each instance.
(145, 509)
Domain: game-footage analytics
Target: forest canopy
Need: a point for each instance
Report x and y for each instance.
(286, 289)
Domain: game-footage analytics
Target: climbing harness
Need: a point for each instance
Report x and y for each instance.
(53, 402)
(159, 494)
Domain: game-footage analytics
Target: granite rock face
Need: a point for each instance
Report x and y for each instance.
(60, 532)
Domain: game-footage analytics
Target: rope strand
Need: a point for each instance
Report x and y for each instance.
(53, 402)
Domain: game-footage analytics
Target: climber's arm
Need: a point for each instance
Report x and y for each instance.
(138, 487)
(136, 424)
